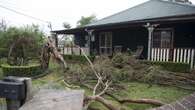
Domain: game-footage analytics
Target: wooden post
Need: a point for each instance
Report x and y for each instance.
(150, 34)
(150, 31)
(90, 34)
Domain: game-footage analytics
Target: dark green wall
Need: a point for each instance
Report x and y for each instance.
(79, 39)
(184, 37)
(131, 38)
(126, 37)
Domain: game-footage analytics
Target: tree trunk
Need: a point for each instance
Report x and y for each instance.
(103, 101)
(138, 101)
(143, 101)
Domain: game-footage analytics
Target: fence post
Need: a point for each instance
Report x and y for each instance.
(167, 57)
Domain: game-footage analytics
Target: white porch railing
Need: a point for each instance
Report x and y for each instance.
(178, 55)
(181, 55)
(160, 54)
(74, 51)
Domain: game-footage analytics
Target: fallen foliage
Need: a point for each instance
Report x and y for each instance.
(123, 67)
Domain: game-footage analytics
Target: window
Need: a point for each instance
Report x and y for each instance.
(106, 43)
(163, 38)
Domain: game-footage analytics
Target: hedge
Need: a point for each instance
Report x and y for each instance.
(171, 66)
(23, 71)
(77, 58)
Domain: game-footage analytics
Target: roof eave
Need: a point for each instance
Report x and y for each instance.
(128, 23)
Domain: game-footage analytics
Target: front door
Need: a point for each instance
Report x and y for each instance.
(105, 43)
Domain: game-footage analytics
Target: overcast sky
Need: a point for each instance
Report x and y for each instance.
(59, 11)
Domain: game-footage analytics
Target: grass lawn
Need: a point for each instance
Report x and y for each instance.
(135, 90)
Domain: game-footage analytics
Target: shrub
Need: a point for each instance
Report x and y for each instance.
(171, 66)
(77, 58)
(3, 61)
(23, 71)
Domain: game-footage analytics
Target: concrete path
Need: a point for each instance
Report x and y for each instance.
(56, 100)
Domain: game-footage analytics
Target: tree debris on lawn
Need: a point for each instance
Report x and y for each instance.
(104, 75)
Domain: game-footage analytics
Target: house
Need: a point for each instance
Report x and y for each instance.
(165, 29)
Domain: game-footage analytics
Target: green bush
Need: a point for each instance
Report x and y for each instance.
(3, 61)
(171, 66)
(77, 58)
(23, 71)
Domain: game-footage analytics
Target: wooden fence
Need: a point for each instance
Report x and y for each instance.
(178, 55)
(74, 51)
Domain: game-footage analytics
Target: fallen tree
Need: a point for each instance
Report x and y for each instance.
(127, 100)
(101, 87)
(138, 101)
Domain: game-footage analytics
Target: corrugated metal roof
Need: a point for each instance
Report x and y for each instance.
(149, 10)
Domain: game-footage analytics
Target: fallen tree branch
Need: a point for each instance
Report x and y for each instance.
(103, 101)
(69, 85)
(105, 85)
(143, 101)
(138, 101)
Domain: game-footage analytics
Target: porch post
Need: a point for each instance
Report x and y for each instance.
(150, 32)
(150, 29)
(90, 34)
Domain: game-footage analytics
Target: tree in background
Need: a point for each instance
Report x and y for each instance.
(66, 25)
(3, 25)
(86, 20)
(20, 44)
(66, 40)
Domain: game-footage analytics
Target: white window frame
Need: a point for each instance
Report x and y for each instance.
(106, 47)
(172, 36)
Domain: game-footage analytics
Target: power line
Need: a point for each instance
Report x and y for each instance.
(17, 12)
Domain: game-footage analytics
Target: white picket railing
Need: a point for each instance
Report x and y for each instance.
(181, 55)
(178, 55)
(74, 51)
(160, 54)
